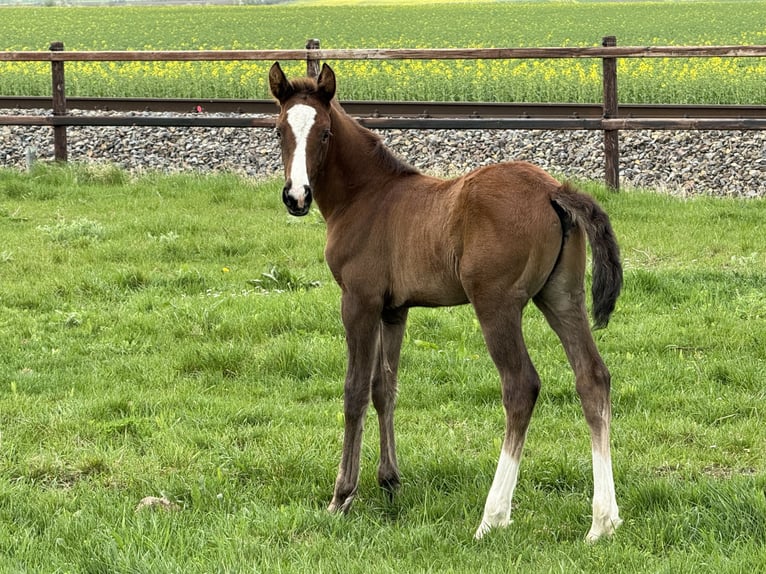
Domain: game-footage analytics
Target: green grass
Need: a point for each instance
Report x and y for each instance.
(179, 336)
(389, 25)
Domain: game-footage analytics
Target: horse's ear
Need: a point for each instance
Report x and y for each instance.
(326, 83)
(280, 87)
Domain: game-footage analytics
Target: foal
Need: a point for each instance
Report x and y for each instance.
(495, 238)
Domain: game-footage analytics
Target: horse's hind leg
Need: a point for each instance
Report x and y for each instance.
(501, 326)
(562, 301)
(384, 386)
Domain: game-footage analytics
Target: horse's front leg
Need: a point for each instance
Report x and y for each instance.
(361, 320)
(384, 386)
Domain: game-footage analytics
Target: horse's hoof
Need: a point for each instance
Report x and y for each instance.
(341, 505)
(390, 485)
(597, 532)
(481, 530)
(485, 527)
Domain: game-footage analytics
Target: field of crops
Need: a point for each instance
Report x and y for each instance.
(478, 24)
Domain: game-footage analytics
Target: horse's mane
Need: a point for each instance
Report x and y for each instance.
(383, 156)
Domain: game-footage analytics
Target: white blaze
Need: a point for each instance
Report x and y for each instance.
(300, 118)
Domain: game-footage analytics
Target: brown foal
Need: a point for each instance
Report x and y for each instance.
(496, 238)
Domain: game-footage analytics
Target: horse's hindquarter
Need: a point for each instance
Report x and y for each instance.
(511, 235)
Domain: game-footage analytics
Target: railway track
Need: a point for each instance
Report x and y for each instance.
(84, 112)
(394, 109)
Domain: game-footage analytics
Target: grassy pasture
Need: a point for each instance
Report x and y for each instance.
(371, 25)
(179, 336)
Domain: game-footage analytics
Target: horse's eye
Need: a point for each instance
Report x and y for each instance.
(277, 133)
(326, 136)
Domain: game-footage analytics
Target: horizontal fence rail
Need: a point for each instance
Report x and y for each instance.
(609, 116)
(389, 54)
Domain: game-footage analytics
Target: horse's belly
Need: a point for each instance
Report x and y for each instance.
(429, 291)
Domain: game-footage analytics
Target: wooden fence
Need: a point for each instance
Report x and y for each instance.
(610, 122)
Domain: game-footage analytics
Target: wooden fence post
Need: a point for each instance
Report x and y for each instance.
(611, 137)
(59, 104)
(312, 64)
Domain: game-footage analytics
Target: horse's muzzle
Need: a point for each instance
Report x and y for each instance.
(297, 207)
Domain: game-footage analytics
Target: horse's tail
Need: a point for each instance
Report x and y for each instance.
(577, 208)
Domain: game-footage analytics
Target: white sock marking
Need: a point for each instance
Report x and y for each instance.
(497, 510)
(606, 517)
(300, 118)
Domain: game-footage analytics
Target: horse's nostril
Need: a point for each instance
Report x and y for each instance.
(296, 206)
(287, 199)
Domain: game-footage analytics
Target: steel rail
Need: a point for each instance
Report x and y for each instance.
(379, 109)
(242, 121)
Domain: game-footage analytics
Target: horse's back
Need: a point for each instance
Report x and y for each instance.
(513, 180)
(506, 198)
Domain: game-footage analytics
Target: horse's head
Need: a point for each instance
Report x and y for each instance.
(303, 127)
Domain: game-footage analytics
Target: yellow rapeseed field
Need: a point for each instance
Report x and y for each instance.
(418, 25)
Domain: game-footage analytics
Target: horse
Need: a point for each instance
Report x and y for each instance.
(496, 238)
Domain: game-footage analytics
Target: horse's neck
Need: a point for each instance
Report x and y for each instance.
(354, 148)
(355, 164)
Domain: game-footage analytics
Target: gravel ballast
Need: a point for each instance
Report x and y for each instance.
(715, 163)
